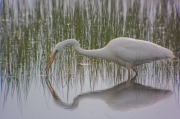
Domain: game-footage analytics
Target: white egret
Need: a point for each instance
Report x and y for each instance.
(127, 52)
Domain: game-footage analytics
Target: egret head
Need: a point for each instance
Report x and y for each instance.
(57, 48)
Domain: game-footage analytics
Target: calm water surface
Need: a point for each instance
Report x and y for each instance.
(81, 87)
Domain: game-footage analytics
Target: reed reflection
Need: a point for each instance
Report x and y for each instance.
(30, 29)
(124, 96)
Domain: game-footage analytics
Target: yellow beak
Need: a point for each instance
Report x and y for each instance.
(51, 60)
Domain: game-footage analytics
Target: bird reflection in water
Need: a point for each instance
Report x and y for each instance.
(124, 96)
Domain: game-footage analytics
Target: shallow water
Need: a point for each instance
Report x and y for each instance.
(78, 86)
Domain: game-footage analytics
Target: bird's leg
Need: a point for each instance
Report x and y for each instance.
(135, 70)
(128, 82)
(129, 74)
(133, 79)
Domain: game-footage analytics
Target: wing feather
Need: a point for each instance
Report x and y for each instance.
(138, 51)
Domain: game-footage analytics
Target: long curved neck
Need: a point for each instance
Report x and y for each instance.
(98, 53)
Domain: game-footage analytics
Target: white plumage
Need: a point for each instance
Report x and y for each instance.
(127, 52)
(135, 52)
